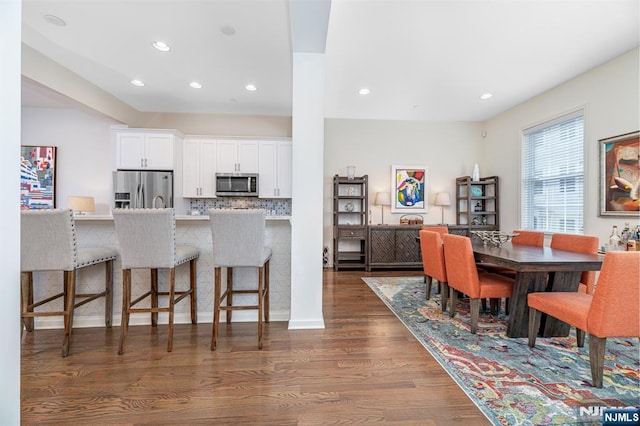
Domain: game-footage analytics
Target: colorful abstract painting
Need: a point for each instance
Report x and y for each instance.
(409, 185)
(620, 175)
(37, 177)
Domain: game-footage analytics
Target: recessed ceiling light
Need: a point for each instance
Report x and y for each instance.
(54, 20)
(228, 30)
(161, 46)
(195, 85)
(364, 91)
(251, 87)
(486, 96)
(137, 83)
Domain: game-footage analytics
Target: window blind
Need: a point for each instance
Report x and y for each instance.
(553, 176)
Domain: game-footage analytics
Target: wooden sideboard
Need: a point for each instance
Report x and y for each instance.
(394, 247)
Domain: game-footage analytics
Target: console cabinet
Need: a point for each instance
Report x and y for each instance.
(394, 246)
(350, 216)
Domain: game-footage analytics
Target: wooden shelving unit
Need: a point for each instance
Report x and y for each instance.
(477, 204)
(350, 217)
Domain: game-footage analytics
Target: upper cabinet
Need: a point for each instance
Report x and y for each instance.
(144, 150)
(199, 168)
(275, 169)
(237, 156)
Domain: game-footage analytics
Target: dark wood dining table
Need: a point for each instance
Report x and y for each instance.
(537, 269)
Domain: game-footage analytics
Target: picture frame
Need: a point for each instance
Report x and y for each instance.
(409, 189)
(38, 177)
(620, 175)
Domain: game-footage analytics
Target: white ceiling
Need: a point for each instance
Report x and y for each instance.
(421, 59)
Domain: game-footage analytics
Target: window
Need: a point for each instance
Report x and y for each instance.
(553, 175)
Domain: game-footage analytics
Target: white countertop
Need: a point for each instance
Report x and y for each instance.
(106, 217)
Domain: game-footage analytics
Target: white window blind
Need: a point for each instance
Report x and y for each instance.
(553, 176)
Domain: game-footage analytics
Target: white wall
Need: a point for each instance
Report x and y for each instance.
(610, 96)
(10, 18)
(448, 149)
(86, 155)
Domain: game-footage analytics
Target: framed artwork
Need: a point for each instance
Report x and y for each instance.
(620, 175)
(409, 189)
(37, 177)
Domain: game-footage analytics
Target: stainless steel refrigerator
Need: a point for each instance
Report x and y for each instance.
(146, 190)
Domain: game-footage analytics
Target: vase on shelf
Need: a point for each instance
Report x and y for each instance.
(475, 176)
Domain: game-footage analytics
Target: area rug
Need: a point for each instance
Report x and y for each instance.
(511, 383)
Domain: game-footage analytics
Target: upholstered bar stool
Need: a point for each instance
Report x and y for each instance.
(147, 239)
(238, 241)
(48, 243)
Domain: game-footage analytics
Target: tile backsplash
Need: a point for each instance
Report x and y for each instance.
(274, 207)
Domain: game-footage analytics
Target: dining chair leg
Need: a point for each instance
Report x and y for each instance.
(429, 282)
(453, 300)
(172, 302)
(26, 299)
(216, 308)
(475, 313)
(597, 347)
(126, 302)
(108, 295)
(260, 304)
(444, 294)
(534, 325)
(266, 291)
(154, 297)
(579, 338)
(69, 302)
(229, 293)
(193, 277)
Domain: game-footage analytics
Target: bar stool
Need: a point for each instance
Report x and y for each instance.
(48, 243)
(238, 241)
(147, 240)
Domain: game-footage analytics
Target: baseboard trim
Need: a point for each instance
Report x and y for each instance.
(306, 324)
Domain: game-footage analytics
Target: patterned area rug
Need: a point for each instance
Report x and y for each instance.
(511, 383)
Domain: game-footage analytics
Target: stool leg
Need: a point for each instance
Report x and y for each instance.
(193, 277)
(108, 297)
(154, 297)
(216, 308)
(172, 284)
(69, 301)
(266, 291)
(26, 299)
(260, 304)
(229, 293)
(126, 302)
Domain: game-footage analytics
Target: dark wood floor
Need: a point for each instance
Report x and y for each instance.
(363, 368)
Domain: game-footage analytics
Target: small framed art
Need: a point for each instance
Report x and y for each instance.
(409, 189)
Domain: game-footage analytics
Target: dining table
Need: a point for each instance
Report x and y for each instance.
(537, 269)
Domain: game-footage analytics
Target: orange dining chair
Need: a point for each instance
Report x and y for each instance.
(433, 263)
(440, 229)
(463, 276)
(579, 244)
(612, 311)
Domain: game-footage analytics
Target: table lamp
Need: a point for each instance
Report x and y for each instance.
(81, 204)
(442, 199)
(382, 199)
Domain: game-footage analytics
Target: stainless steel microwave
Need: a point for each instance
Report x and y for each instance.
(236, 184)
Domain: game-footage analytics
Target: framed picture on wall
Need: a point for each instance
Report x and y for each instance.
(620, 175)
(409, 189)
(37, 177)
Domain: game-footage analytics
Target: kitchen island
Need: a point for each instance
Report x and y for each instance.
(99, 230)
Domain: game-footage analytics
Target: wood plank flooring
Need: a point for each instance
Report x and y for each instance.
(363, 368)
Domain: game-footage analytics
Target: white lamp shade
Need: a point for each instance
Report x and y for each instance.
(442, 199)
(81, 204)
(382, 199)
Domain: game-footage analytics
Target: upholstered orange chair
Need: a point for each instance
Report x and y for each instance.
(440, 229)
(463, 276)
(612, 311)
(433, 263)
(579, 244)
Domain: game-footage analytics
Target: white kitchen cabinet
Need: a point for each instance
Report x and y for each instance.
(199, 168)
(275, 169)
(237, 156)
(140, 150)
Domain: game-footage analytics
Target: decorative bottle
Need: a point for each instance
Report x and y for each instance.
(476, 173)
(614, 239)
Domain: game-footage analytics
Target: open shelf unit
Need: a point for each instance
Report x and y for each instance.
(350, 217)
(477, 204)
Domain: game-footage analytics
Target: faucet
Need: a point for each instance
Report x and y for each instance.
(153, 203)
